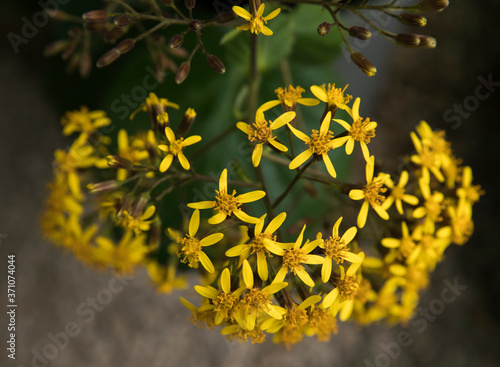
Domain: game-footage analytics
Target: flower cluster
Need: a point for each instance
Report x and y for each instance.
(258, 275)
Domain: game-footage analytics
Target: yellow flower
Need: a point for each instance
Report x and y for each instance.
(335, 248)
(405, 243)
(360, 130)
(467, 191)
(165, 278)
(174, 149)
(256, 24)
(294, 256)
(154, 106)
(136, 223)
(226, 204)
(371, 193)
(427, 159)
(135, 151)
(125, 255)
(84, 121)
(461, 221)
(319, 143)
(225, 302)
(432, 207)
(192, 248)
(333, 97)
(289, 98)
(262, 244)
(262, 132)
(430, 246)
(398, 195)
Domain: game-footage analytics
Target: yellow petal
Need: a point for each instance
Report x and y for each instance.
(217, 218)
(309, 301)
(346, 310)
(251, 196)
(268, 105)
(242, 13)
(305, 277)
(325, 125)
(330, 298)
(272, 15)
(329, 165)
(208, 292)
(183, 160)
(319, 93)
(299, 134)
(273, 247)
(356, 194)
(223, 181)
(308, 101)
(243, 127)
(166, 162)
(262, 266)
(277, 145)
(206, 262)
(257, 154)
(202, 205)
(194, 223)
(245, 217)
(211, 239)
(247, 272)
(300, 159)
(238, 250)
(191, 140)
(170, 134)
(363, 214)
(391, 242)
(326, 270)
(275, 223)
(225, 280)
(282, 120)
(349, 235)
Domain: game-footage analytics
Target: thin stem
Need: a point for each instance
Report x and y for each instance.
(292, 184)
(212, 142)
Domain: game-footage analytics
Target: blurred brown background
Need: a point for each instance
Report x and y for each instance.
(141, 328)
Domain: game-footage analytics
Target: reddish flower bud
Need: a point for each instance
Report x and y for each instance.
(216, 64)
(99, 16)
(195, 25)
(360, 33)
(413, 19)
(324, 28)
(125, 46)
(433, 5)
(408, 40)
(363, 63)
(176, 41)
(182, 72)
(122, 20)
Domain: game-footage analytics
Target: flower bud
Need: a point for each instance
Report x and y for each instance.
(427, 42)
(55, 47)
(360, 33)
(412, 19)
(125, 46)
(103, 186)
(216, 64)
(122, 20)
(182, 72)
(176, 41)
(225, 17)
(99, 16)
(190, 4)
(107, 58)
(187, 122)
(363, 63)
(324, 28)
(85, 65)
(116, 161)
(195, 25)
(408, 40)
(432, 5)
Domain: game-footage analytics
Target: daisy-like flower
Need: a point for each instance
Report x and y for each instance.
(225, 302)
(84, 121)
(289, 98)
(333, 97)
(427, 159)
(154, 106)
(432, 208)
(347, 287)
(405, 243)
(335, 248)
(398, 195)
(256, 23)
(360, 130)
(228, 204)
(430, 246)
(174, 149)
(134, 152)
(295, 255)
(137, 224)
(371, 193)
(124, 256)
(261, 132)
(469, 192)
(191, 248)
(262, 244)
(461, 221)
(320, 143)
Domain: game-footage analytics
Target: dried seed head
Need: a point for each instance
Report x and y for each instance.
(216, 64)
(363, 63)
(99, 16)
(408, 40)
(195, 25)
(182, 72)
(360, 33)
(176, 41)
(324, 28)
(413, 19)
(122, 20)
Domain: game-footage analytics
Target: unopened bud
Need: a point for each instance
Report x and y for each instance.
(408, 40)
(55, 47)
(182, 72)
(413, 19)
(360, 33)
(176, 41)
(107, 58)
(225, 17)
(98, 16)
(187, 122)
(324, 28)
(432, 5)
(190, 4)
(216, 64)
(195, 25)
(103, 186)
(85, 65)
(427, 42)
(122, 20)
(125, 46)
(116, 161)
(363, 63)
(140, 205)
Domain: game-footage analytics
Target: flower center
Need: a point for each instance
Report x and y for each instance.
(290, 95)
(176, 146)
(336, 95)
(261, 132)
(320, 143)
(398, 192)
(433, 208)
(190, 247)
(348, 287)
(254, 301)
(334, 247)
(374, 190)
(258, 243)
(406, 246)
(256, 25)
(323, 322)
(292, 258)
(360, 132)
(226, 203)
(224, 303)
(295, 318)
